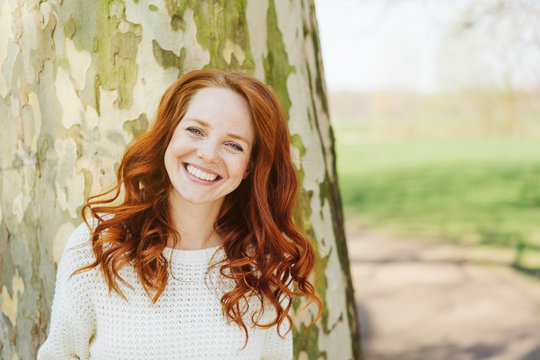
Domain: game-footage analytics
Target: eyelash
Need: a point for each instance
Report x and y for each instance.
(196, 131)
(236, 147)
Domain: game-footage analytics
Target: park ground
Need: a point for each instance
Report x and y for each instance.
(425, 300)
(442, 203)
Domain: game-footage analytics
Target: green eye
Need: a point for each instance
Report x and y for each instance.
(236, 146)
(194, 130)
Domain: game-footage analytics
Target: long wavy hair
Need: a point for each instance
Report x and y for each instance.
(265, 251)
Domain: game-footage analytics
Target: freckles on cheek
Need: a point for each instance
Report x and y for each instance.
(175, 145)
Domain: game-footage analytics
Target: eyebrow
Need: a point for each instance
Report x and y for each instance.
(234, 136)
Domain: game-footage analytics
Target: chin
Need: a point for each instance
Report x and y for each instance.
(198, 199)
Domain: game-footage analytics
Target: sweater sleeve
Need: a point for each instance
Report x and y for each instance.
(72, 323)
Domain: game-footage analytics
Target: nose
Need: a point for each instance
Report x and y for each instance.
(208, 151)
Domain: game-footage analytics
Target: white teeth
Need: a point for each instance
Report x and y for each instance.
(200, 174)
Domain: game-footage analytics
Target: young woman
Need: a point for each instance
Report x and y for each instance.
(193, 254)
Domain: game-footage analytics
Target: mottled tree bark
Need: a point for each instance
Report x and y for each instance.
(79, 79)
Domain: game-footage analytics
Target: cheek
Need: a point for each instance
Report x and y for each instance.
(237, 166)
(244, 169)
(167, 160)
(171, 154)
(177, 147)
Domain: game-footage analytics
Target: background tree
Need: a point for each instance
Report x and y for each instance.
(80, 79)
(490, 53)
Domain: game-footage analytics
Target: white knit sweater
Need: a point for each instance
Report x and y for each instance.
(185, 323)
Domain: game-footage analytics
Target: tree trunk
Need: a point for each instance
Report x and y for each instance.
(79, 79)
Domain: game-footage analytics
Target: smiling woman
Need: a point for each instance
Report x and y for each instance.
(193, 254)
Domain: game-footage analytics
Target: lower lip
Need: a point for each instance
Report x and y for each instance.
(196, 179)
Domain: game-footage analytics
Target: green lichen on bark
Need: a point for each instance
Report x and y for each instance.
(319, 81)
(303, 341)
(167, 58)
(88, 179)
(296, 141)
(136, 126)
(308, 345)
(329, 189)
(217, 21)
(46, 50)
(308, 341)
(276, 64)
(31, 50)
(176, 9)
(70, 28)
(95, 26)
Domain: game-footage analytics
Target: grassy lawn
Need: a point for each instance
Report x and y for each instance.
(468, 190)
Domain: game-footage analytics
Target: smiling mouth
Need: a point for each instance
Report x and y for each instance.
(199, 174)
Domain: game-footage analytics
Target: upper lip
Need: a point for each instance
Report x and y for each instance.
(202, 168)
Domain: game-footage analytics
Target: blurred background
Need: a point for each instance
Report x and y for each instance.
(436, 111)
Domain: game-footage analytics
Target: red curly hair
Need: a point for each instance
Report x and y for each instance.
(265, 251)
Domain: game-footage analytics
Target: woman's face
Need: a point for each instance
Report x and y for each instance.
(210, 149)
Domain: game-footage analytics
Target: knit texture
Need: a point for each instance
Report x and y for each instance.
(88, 322)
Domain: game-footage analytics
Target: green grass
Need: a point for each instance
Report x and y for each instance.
(481, 190)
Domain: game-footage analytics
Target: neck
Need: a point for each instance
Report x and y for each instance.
(194, 223)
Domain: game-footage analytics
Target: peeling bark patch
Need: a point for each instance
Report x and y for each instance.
(79, 63)
(136, 126)
(231, 49)
(60, 240)
(5, 40)
(67, 178)
(296, 141)
(46, 50)
(176, 12)
(33, 102)
(18, 208)
(307, 347)
(70, 28)
(303, 215)
(9, 303)
(217, 24)
(71, 104)
(167, 58)
(321, 286)
(116, 51)
(319, 81)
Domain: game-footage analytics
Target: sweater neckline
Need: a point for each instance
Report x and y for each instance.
(199, 256)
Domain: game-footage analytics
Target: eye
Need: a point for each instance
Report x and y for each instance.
(236, 147)
(194, 130)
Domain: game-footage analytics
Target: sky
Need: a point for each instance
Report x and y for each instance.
(370, 45)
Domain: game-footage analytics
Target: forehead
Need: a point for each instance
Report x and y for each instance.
(221, 108)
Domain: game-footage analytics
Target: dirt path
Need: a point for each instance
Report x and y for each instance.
(422, 301)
